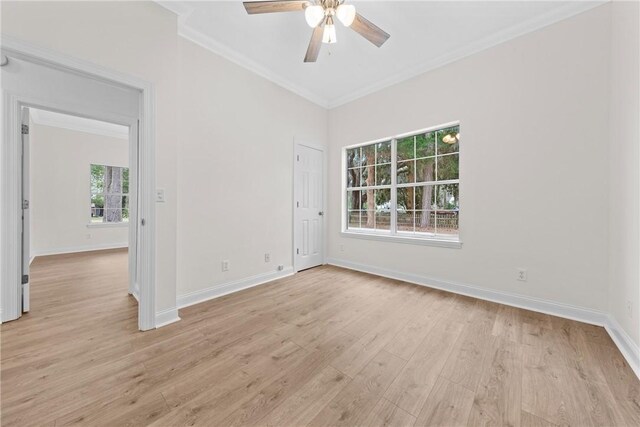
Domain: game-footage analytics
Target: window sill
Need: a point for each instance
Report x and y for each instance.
(108, 225)
(422, 241)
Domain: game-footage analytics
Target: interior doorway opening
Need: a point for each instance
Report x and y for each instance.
(37, 78)
(77, 193)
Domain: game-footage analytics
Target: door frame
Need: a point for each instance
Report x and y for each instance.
(302, 143)
(11, 178)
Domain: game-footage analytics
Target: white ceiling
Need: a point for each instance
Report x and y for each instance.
(424, 35)
(81, 124)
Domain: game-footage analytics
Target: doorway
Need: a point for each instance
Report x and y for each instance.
(78, 197)
(36, 78)
(308, 190)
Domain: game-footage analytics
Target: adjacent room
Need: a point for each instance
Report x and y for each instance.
(320, 213)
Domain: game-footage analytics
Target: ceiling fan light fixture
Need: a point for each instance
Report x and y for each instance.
(329, 35)
(314, 15)
(346, 13)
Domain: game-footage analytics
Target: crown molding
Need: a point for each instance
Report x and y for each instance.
(79, 124)
(212, 45)
(567, 11)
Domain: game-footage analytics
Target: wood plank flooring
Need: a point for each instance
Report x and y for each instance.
(327, 347)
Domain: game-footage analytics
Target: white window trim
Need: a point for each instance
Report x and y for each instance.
(393, 235)
(122, 224)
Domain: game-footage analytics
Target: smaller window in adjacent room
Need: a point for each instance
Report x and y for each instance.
(405, 187)
(109, 194)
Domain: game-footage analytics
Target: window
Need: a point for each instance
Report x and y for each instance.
(406, 186)
(109, 194)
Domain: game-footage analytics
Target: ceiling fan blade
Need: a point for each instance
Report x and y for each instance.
(314, 45)
(369, 31)
(254, 7)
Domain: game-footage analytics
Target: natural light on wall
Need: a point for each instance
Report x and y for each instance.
(406, 186)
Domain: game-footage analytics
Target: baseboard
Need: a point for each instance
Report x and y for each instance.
(567, 311)
(76, 249)
(222, 289)
(625, 344)
(629, 349)
(166, 317)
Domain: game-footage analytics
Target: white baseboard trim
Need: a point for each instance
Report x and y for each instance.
(580, 314)
(629, 349)
(166, 317)
(222, 289)
(76, 249)
(626, 345)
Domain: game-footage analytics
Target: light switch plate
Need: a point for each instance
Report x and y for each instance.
(160, 195)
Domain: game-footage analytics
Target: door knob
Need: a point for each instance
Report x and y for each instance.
(321, 213)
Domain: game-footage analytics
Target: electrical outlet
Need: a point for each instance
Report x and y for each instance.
(280, 267)
(629, 309)
(522, 275)
(267, 257)
(225, 265)
(341, 248)
(88, 235)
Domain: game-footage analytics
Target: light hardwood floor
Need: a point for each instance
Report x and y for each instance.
(327, 347)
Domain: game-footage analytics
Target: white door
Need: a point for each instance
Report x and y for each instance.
(26, 235)
(308, 205)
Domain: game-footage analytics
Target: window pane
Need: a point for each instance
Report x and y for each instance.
(365, 197)
(97, 178)
(353, 157)
(369, 155)
(383, 209)
(97, 214)
(404, 200)
(368, 206)
(425, 221)
(368, 176)
(113, 215)
(448, 140)
(383, 152)
(353, 219)
(125, 202)
(406, 149)
(405, 220)
(125, 180)
(426, 145)
(353, 200)
(447, 197)
(406, 172)
(425, 197)
(383, 175)
(448, 167)
(447, 222)
(425, 170)
(112, 179)
(353, 177)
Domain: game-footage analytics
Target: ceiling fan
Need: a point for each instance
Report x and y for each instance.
(320, 15)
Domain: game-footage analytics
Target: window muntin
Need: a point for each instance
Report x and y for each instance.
(109, 194)
(405, 186)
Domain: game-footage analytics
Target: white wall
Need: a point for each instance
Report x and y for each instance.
(534, 158)
(137, 38)
(60, 188)
(624, 166)
(235, 169)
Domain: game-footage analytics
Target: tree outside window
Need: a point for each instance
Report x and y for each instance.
(109, 194)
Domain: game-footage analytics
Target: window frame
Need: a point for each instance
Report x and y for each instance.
(121, 223)
(428, 239)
